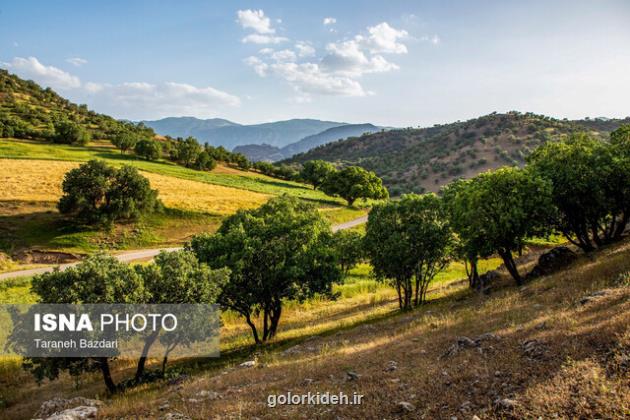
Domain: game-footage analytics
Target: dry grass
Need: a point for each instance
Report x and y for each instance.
(580, 372)
(34, 181)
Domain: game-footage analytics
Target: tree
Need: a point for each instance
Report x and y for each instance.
(619, 181)
(348, 246)
(354, 182)
(98, 279)
(148, 149)
(276, 252)
(205, 162)
(315, 172)
(96, 192)
(409, 240)
(584, 180)
(176, 278)
(125, 140)
(187, 151)
(68, 132)
(497, 211)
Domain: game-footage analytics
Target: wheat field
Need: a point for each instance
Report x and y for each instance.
(40, 181)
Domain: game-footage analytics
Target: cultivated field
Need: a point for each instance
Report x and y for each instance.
(40, 181)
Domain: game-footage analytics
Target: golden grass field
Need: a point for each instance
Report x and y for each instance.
(40, 181)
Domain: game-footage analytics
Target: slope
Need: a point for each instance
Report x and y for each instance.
(424, 159)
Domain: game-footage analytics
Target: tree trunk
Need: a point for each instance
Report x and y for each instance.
(248, 319)
(400, 305)
(107, 375)
(143, 359)
(350, 201)
(508, 260)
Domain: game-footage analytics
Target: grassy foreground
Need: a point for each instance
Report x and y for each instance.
(574, 367)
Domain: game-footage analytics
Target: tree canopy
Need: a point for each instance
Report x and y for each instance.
(409, 239)
(315, 172)
(353, 182)
(275, 252)
(96, 192)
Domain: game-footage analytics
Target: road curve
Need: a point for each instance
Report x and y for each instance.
(143, 254)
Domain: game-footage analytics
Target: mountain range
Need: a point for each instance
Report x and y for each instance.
(220, 132)
(268, 152)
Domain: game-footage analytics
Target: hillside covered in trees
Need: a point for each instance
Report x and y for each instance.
(424, 159)
(29, 111)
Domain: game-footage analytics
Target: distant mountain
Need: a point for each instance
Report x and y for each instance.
(186, 126)
(258, 152)
(327, 136)
(219, 132)
(266, 152)
(424, 159)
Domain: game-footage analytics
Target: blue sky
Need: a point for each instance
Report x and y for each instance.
(397, 63)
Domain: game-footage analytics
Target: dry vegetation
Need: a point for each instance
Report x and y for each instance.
(40, 181)
(577, 367)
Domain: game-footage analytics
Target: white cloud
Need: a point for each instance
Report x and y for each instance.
(340, 69)
(259, 66)
(256, 20)
(131, 100)
(284, 55)
(304, 49)
(308, 78)
(31, 68)
(263, 39)
(329, 21)
(385, 39)
(77, 61)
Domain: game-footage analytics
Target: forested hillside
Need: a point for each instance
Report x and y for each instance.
(424, 159)
(29, 111)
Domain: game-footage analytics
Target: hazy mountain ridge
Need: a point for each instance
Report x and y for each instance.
(269, 153)
(424, 159)
(230, 135)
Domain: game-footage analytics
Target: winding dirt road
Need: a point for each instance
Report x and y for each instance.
(143, 254)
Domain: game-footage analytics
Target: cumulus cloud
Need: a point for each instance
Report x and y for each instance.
(339, 70)
(329, 21)
(256, 20)
(77, 61)
(263, 39)
(304, 49)
(32, 68)
(385, 39)
(259, 66)
(132, 100)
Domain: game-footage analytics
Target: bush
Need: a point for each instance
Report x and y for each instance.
(96, 192)
(68, 132)
(148, 149)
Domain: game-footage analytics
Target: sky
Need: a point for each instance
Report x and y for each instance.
(391, 63)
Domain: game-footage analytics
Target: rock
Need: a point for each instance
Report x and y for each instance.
(209, 395)
(58, 405)
(352, 376)
(593, 296)
(308, 381)
(76, 413)
(248, 364)
(505, 403)
(533, 349)
(179, 380)
(392, 365)
(551, 261)
(406, 406)
(164, 407)
(487, 337)
(475, 417)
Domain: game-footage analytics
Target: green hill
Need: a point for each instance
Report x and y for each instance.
(28, 111)
(424, 159)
